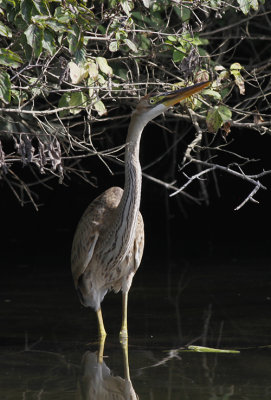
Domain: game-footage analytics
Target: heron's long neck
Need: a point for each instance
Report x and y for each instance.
(132, 189)
(127, 211)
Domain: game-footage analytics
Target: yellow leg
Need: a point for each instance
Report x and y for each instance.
(124, 328)
(124, 346)
(101, 349)
(102, 333)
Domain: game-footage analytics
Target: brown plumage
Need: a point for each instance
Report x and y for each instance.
(109, 240)
(91, 281)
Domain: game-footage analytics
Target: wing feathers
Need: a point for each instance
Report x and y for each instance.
(90, 252)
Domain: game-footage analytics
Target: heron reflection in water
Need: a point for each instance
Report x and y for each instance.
(109, 240)
(97, 382)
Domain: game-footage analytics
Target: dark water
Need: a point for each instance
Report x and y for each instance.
(49, 342)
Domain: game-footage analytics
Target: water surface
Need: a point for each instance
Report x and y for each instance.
(49, 342)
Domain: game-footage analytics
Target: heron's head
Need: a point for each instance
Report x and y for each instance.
(151, 106)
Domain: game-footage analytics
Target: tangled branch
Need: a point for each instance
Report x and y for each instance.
(71, 75)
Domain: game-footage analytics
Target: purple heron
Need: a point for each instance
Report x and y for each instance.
(109, 239)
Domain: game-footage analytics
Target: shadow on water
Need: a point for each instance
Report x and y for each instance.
(49, 348)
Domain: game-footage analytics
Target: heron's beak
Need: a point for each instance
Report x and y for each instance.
(171, 98)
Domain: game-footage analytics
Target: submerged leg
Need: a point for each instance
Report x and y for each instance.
(102, 333)
(124, 328)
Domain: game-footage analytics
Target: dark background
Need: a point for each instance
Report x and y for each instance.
(198, 261)
(175, 228)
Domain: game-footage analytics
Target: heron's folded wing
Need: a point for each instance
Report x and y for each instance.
(83, 249)
(90, 251)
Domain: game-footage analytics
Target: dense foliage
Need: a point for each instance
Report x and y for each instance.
(68, 69)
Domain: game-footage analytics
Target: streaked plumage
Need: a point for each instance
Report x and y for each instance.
(109, 240)
(94, 227)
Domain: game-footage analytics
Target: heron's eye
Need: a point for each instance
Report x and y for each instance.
(152, 101)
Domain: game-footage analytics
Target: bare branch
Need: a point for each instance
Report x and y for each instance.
(249, 197)
(210, 167)
(170, 186)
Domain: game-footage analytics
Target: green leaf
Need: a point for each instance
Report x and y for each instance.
(245, 5)
(48, 42)
(239, 80)
(131, 45)
(80, 55)
(10, 59)
(141, 18)
(178, 56)
(158, 6)
(145, 42)
(53, 24)
(104, 67)
(225, 113)
(34, 86)
(184, 46)
(90, 83)
(26, 10)
(172, 38)
(40, 6)
(46, 21)
(5, 87)
(5, 31)
(114, 46)
(121, 72)
(5, 3)
(64, 102)
(77, 72)
(183, 13)
(101, 80)
(92, 70)
(197, 41)
(75, 39)
(121, 34)
(213, 94)
(18, 97)
(100, 107)
(40, 20)
(147, 3)
(74, 99)
(254, 5)
(34, 37)
(201, 349)
(236, 66)
(216, 117)
(77, 99)
(62, 15)
(223, 75)
(127, 6)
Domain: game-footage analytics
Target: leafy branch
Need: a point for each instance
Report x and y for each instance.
(70, 73)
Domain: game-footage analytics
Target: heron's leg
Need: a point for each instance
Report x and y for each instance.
(101, 349)
(124, 328)
(124, 346)
(102, 332)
